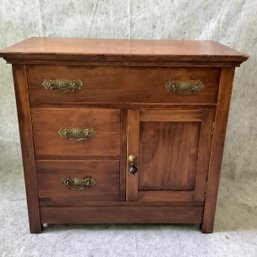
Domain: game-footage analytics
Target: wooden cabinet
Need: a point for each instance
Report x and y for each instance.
(119, 131)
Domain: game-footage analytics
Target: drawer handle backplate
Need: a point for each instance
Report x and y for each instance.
(190, 87)
(79, 183)
(76, 134)
(62, 86)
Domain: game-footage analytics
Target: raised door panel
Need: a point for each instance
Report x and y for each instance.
(172, 154)
(168, 155)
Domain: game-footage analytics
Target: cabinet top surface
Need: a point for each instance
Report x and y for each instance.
(122, 50)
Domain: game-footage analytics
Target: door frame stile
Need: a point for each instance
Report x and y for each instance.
(133, 130)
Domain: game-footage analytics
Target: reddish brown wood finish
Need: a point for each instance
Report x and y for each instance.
(121, 84)
(27, 146)
(47, 123)
(225, 90)
(172, 154)
(122, 214)
(123, 52)
(172, 149)
(132, 149)
(123, 154)
(166, 196)
(177, 144)
(51, 191)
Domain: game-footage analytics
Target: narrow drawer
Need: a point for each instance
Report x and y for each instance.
(75, 132)
(62, 84)
(77, 182)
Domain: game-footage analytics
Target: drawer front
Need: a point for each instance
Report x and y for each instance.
(77, 182)
(122, 84)
(69, 132)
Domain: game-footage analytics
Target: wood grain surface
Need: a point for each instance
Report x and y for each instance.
(49, 144)
(121, 84)
(172, 149)
(122, 214)
(51, 191)
(225, 90)
(178, 140)
(27, 147)
(122, 50)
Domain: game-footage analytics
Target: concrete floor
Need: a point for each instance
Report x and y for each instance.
(235, 228)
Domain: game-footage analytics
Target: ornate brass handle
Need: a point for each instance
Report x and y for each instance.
(76, 134)
(132, 164)
(79, 183)
(62, 86)
(185, 87)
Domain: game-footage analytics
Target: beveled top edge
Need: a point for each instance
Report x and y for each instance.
(43, 48)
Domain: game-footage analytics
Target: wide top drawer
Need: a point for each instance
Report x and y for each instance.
(67, 84)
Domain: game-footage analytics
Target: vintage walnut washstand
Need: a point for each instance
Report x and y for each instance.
(120, 131)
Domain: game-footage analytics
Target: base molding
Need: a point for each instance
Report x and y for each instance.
(122, 215)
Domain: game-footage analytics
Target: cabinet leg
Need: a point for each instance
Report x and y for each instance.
(36, 228)
(206, 228)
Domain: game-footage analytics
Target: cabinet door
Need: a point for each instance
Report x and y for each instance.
(169, 152)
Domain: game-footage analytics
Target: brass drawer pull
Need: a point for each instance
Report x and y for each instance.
(79, 183)
(62, 86)
(185, 87)
(76, 134)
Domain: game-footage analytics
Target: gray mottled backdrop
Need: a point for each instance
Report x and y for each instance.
(231, 22)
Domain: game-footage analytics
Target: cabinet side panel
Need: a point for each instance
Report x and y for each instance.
(225, 89)
(27, 146)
